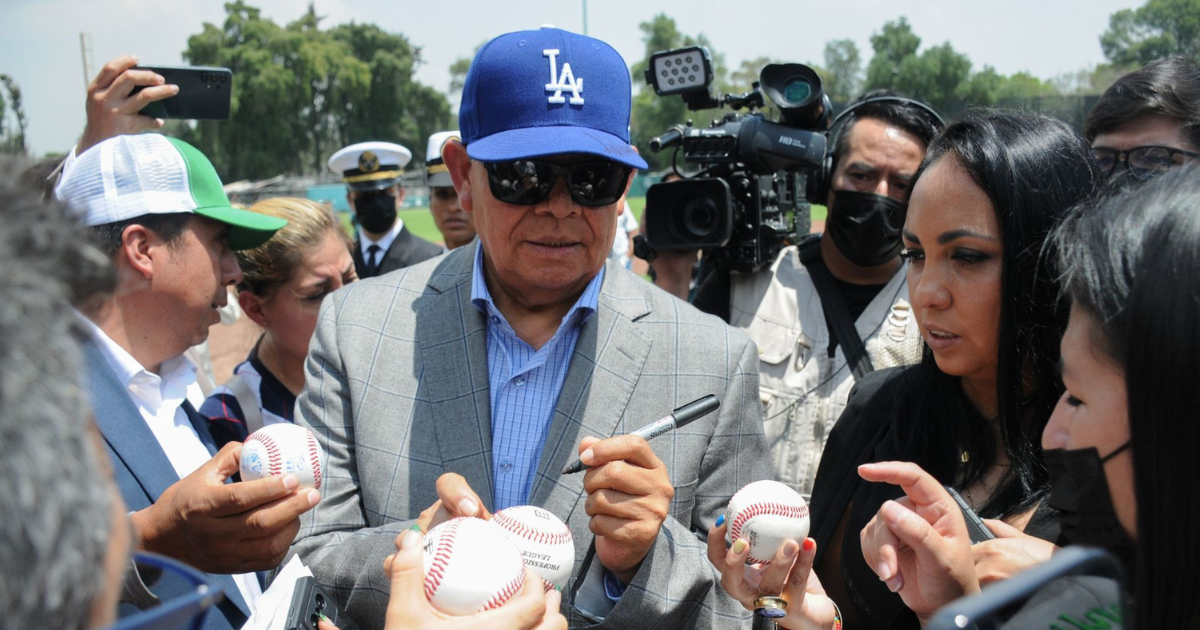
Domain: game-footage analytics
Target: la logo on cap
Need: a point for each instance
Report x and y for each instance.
(565, 81)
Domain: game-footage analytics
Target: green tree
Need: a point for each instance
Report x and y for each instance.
(941, 75)
(842, 70)
(895, 43)
(301, 92)
(653, 114)
(458, 75)
(933, 76)
(747, 73)
(395, 106)
(12, 136)
(988, 87)
(1157, 29)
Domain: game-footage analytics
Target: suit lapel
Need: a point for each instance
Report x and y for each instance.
(136, 448)
(396, 255)
(124, 429)
(452, 335)
(360, 264)
(609, 355)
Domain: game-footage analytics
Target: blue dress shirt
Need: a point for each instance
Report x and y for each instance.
(524, 386)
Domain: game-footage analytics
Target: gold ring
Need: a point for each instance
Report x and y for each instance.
(770, 607)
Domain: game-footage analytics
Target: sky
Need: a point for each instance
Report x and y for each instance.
(39, 39)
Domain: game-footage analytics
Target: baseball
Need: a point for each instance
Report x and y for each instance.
(471, 566)
(766, 513)
(280, 449)
(544, 540)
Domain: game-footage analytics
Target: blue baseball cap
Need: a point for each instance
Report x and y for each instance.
(547, 92)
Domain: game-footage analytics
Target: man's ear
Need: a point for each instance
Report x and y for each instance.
(454, 154)
(139, 246)
(399, 196)
(252, 305)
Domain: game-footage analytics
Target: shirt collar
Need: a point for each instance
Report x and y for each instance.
(385, 242)
(583, 309)
(175, 373)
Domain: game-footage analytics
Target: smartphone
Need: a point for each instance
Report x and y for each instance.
(204, 93)
(1079, 587)
(976, 528)
(308, 601)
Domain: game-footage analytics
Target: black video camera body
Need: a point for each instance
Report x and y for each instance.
(749, 200)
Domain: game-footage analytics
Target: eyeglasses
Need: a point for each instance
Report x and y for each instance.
(529, 182)
(183, 611)
(1142, 162)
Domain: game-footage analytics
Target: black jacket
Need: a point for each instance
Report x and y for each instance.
(408, 249)
(865, 434)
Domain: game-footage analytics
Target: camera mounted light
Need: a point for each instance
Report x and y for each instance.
(684, 71)
(797, 91)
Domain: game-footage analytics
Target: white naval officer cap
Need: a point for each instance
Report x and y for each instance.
(436, 173)
(370, 165)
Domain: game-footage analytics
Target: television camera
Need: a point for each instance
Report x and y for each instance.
(749, 198)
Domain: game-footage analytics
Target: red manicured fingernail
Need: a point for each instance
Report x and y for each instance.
(809, 544)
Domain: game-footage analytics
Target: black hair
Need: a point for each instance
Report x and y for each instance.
(1034, 169)
(1132, 262)
(168, 226)
(906, 116)
(1170, 87)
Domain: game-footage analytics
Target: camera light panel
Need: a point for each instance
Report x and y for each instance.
(678, 71)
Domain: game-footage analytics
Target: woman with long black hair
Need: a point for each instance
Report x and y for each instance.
(1121, 444)
(991, 189)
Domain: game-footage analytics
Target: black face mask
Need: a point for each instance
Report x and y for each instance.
(1079, 491)
(376, 211)
(865, 227)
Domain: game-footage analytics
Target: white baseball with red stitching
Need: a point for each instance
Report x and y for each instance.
(544, 540)
(471, 566)
(767, 514)
(280, 449)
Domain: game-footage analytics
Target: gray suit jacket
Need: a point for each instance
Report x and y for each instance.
(397, 393)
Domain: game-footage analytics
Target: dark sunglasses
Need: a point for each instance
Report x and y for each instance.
(1142, 162)
(529, 182)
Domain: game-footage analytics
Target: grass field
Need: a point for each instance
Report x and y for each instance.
(420, 221)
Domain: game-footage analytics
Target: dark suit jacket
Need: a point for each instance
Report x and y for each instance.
(142, 469)
(405, 251)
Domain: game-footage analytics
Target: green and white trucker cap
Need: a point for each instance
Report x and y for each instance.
(131, 176)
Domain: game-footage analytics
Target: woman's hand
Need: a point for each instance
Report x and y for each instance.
(789, 575)
(408, 608)
(918, 545)
(1009, 553)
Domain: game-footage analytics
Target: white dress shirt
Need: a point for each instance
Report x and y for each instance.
(384, 243)
(159, 398)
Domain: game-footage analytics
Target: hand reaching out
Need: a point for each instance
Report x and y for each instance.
(789, 575)
(1009, 553)
(918, 545)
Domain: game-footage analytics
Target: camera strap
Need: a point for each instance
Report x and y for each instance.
(837, 314)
